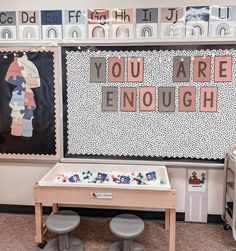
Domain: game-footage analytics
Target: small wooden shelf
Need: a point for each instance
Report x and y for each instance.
(230, 190)
(229, 203)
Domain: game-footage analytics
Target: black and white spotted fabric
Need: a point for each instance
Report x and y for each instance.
(167, 134)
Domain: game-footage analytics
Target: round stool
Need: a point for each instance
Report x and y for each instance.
(62, 223)
(126, 227)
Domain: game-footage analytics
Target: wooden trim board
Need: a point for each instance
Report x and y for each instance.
(57, 97)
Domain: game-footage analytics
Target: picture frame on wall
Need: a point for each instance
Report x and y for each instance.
(29, 98)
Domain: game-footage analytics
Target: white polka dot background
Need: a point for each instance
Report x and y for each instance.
(157, 134)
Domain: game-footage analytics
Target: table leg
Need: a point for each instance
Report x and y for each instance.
(172, 230)
(167, 219)
(55, 207)
(39, 222)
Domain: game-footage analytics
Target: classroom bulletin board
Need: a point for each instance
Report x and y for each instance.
(28, 103)
(149, 102)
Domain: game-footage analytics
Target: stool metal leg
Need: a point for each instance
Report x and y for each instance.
(66, 241)
(63, 242)
(60, 243)
(127, 245)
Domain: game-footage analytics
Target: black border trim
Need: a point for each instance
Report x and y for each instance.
(65, 49)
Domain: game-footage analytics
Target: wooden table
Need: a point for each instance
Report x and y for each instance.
(136, 199)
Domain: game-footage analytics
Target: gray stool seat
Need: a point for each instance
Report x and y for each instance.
(62, 223)
(126, 227)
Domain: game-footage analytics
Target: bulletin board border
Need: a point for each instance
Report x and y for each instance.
(191, 162)
(39, 158)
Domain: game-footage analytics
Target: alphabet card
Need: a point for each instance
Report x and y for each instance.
(28, 25)
(150, 103)
(147, 23)
(222, 21)
(51, 21)
(122, 24)
(8, 25)
(197, 21)
(98, 23)
(172, 22)
(75, 24)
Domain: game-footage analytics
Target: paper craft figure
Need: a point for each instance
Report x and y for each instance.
(203, 178)
(23, 74)
(74, 178)
(124, 179)
(102, 176)
(16, 127)
(151, 176)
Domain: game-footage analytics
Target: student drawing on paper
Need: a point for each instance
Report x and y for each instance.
(203, 178)
(194, 179)
(23, 74)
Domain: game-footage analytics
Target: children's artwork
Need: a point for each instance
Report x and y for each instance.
(51, 21)
(28, 25)
(147, 23)
(74, 178)
(197, 181)
(150, 103)
(124, 179)
(27, 107)
(122, 23)
(196, 201)
(113, 178)
(197, 21)
(102, 176)
(7, 25)
(75, 24)
(98, 23)
(23, 74)
(151, 176)
(222, 21)
(172, 22)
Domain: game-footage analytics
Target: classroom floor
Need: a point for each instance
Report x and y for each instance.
(17, 234)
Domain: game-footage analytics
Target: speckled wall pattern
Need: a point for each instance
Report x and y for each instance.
(166, 134)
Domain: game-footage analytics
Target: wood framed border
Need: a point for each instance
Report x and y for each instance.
(20, 157)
